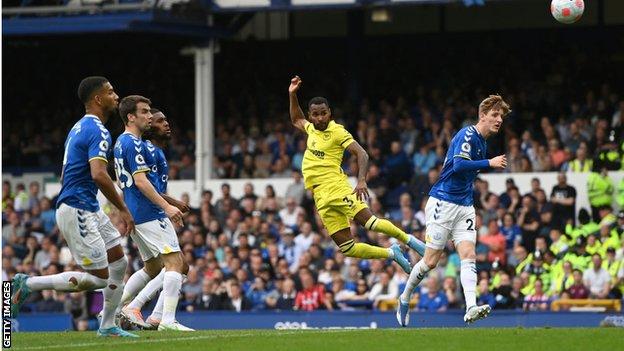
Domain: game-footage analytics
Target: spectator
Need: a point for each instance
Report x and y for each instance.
(451, 289)
(49, 303)
(495, 242)
(563, 198)
(291, 212)
(296, 190)
(597, 279)
(485, 296)
(578, 290)
(236, 301)
(286, 300)
(511, 231)
(538, 301)
(424, 160)
(209, 299)
(312, 295)
(384, 289)
(434, 300)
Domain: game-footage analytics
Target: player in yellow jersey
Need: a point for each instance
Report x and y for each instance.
(336, 201)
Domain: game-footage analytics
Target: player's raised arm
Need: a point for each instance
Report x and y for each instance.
(105, 184)
(296, 113)
(361, 189)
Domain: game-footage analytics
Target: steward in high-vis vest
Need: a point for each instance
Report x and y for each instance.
(599, 190)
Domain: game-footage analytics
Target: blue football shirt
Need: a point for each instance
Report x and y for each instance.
(87, 140)
(162, 167)
(457, 187)
(132, 157)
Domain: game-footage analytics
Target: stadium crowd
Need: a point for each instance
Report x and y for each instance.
(269, 251)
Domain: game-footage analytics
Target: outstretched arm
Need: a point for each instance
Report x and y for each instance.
(296, 114)
(461, 164)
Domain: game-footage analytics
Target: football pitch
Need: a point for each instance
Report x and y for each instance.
(413, 339)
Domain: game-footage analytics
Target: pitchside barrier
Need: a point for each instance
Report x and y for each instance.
(347, 320)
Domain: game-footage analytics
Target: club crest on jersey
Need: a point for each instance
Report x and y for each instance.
(104, 145)
(139, 159)
(326, 136)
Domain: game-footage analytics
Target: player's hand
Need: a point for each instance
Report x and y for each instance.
(361, 191)
(174, 214)
(181, 206)
(499, 162)
(126, 217)
(295, 84)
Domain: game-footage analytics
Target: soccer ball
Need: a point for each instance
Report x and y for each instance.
(567, 11)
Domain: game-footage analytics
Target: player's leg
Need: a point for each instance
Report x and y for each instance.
(117, 265)
(172, 283)
(350, 248)
(437, 234)
(137, 282)
(367, 219)
(419, 271)
(79, 228)
(156, 316)
(465, 238)
(153, 264)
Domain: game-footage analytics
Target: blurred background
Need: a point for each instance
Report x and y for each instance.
(403, 76)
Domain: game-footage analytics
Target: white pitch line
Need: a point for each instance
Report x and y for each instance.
(146, 341)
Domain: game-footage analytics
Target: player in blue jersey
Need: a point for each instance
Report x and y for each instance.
(91, 237)
(155, 236)
(156, 140)
(449, 211)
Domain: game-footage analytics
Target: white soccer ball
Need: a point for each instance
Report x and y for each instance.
(567, 11)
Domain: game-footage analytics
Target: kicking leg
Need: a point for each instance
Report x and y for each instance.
(371, 222)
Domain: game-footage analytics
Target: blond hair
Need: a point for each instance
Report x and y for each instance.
(494, 102)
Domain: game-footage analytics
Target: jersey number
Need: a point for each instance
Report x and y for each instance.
(348, 201)
(470, 224)
(120, 170)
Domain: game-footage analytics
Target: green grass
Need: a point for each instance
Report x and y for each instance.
(499, 339)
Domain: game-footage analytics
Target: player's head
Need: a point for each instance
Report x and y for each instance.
(160, 129)
(97, 92)
(135, 111)
(491, 113)
(319, 112)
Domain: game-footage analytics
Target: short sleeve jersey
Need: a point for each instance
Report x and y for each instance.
(132, 157)
(322, 159)
(162, 167)
(87, 140)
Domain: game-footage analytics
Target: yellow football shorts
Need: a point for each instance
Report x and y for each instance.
(337, 205)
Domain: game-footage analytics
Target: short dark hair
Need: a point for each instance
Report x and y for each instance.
(154, 110)
(319, 100)
(88, 86)
(129, 104)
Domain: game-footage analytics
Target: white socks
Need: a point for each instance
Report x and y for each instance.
(113, 291)
(171, 291)
(149, 291)
(136, 282)
(66, 281)
(468, 277)
(158, 309)
(419, 272)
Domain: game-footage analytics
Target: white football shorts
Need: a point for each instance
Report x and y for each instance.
(446, 220)
(155, 237)
(88, 234)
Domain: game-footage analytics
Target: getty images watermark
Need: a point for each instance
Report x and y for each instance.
(6, 314)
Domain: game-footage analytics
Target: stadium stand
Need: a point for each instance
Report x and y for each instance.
(536, 251)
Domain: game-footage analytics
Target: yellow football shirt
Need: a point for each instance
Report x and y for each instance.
(323, 155)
